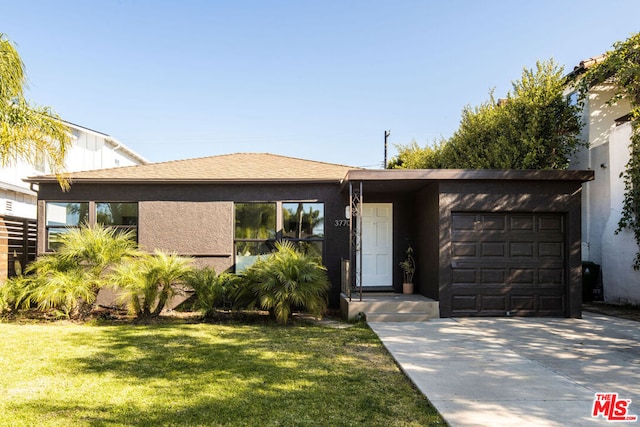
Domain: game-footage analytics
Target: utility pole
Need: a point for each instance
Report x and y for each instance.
(386, 137)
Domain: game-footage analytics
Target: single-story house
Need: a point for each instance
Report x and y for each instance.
(487, 242)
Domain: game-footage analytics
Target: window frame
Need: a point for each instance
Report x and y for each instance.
(121, 227)
(279, 233)
(298, 240)
(63, 228)
(269, 242)
(91, 219)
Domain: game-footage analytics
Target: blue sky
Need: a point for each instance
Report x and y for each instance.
(320, 80)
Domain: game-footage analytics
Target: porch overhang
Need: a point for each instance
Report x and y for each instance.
(442, 191)
(407, 180)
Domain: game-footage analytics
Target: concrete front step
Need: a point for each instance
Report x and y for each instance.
(399, 317)
(390, 307)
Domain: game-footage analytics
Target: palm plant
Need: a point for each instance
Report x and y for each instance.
(212, 290)
(28, 132)
(69, 280)
(288, 278)
(96, 249)
(15, 293)
(148, 281)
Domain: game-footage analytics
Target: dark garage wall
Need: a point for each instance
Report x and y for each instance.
(428, 226)
(513, 196)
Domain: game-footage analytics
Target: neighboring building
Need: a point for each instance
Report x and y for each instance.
(487, 242)
(608, 131)
(89, 150)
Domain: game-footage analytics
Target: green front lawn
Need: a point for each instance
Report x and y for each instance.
(66, 374)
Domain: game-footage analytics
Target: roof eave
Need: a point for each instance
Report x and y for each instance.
(48, 180)
(468, 175)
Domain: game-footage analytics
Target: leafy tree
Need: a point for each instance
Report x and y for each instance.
(288, 278)
(147, 281)
(535, 127)
(413, 156)
(27, 132)
(621, 66)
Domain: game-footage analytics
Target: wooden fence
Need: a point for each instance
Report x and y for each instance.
(17, 244)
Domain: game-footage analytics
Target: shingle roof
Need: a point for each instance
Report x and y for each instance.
(239, 167)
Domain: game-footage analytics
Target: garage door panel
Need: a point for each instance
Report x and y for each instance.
(551, 276)
(508, 264)
(522, 223)
(522, 276)
(465, 303)
(463, 222)
(462, 276)
(522, 249)
(551, 223)
(550, 304)
(493, 249)
(493, 222)
(523, 302)
(465, 249)
(493, 302)
(493, 275)
(551, 250)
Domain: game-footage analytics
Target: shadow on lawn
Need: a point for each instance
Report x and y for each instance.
(239, 375)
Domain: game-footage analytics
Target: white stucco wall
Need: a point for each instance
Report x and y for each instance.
(621, 283)
(89, 150)
(607, 156)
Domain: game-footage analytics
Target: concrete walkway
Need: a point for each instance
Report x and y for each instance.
(519, 371)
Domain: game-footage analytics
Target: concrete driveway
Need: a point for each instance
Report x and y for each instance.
(519, 371)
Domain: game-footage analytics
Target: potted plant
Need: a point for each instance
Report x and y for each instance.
(408, 269)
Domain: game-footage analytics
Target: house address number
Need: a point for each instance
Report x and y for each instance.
(341, 222)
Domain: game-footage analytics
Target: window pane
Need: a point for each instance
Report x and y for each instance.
(249, 252)
(309, 247)
(53, 237)
(255, 220)
(303, 220)
(117, 213)
(67, 214)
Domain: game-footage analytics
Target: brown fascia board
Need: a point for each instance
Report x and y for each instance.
(49, 180)
(468, 174)
(361, 175)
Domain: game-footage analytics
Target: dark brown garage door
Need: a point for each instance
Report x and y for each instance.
(508, 264)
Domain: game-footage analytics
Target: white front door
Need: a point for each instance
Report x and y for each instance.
(377, 244)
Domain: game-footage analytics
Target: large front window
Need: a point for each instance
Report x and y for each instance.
(62, 216)
(255, 232)
(259, 225)
(303, 223)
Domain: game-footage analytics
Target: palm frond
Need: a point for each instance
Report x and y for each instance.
(286, 279)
